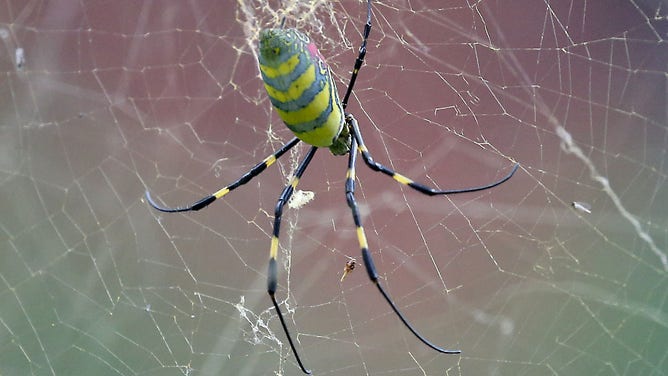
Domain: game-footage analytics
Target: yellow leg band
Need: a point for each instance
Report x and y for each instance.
(362, 238)
(401, 179)
(273, 252)
(222, 192)
(270, 160)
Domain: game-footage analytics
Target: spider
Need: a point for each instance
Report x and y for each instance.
(301, 89)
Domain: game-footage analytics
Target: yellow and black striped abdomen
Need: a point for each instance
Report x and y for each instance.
(300, 86)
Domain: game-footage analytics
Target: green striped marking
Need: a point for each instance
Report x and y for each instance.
(300, 86)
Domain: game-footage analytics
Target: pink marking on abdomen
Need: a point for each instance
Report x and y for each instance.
(313, 50)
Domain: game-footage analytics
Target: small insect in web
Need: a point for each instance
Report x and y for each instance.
(350, 266)
(303, 93)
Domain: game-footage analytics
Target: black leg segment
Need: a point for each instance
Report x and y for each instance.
(206, 201)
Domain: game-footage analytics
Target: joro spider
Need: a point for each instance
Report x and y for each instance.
(302, 91)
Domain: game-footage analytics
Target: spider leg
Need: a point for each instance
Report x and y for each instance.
(357, 135)
(272, 275)
(360, 56)
(366, 255)
(253, 172)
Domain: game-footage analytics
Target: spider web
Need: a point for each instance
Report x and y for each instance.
(103, 100)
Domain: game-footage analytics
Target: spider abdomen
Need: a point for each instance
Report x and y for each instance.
(300, 86)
